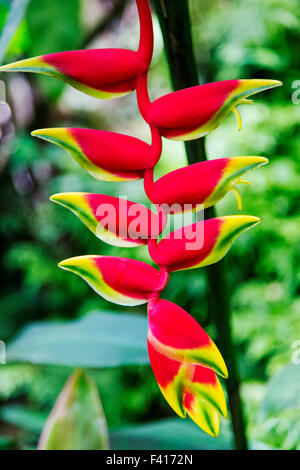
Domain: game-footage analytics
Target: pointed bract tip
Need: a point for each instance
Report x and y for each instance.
(63, 264)
(251, 86)
(218, 364)
(72, 264)
(26, 65)
(239, 165)
(239, 223)
(257, 160)
(214, 427)
(54, 132)
(55, 198)
(67, 198)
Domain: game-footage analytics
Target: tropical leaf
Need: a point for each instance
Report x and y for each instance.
(97, 340)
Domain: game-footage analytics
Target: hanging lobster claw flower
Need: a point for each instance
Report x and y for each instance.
(123, 281)
(175, 333)
(200, 185)
(200, 244)
(115, 221)
(107, 156)
(183, 359)
(103, 73)
(194, 112)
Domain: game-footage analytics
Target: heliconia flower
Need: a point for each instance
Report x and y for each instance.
(200, 185)
(194, 112)
(103, 73)
(116, 221)
(200, 244)
(123, 281)
(184, 360)
(107, 156)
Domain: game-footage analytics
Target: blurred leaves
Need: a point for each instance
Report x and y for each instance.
(283, 392)
(280, 411)
(53, 27)
(77, 421)
(14, 17)
(171, 434)
(97, 340)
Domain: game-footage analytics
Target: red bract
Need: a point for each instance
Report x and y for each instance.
(193, 112)
(200, 185)
(123, 281)
(104, 73)
(176, 333)
(184, 359)
(107, 156)
(116, 221)
(200, 244)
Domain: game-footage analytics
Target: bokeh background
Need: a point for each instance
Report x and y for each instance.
(233, 39)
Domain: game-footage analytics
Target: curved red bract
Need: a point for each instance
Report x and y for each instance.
(112, 70)
(189, 185)
(113, 151)
(173, 326)
(126, 219)
(173, 253)
(128, 276)
(189, 108)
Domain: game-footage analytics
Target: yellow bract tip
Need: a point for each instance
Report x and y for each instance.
(54, 132)
(77, 263)
(240, 221)
(65, 198)
(34, 64)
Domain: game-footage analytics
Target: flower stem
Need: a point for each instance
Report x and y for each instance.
(175, 24)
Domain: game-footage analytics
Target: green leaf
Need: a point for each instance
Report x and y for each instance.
(22, 417)
(77, 420)
(169, 434)
(283, 391)
(280, 410)
(53, 27)
(6, 443)
(13, 20)
(97, 340)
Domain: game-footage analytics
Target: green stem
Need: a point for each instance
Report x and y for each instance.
(174, 19)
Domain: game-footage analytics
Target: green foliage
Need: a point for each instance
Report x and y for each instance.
(53, 27)
(280, 412)
(171, 434)
(10, 21)
(98, 340)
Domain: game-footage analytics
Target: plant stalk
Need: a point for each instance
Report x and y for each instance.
(174, 19)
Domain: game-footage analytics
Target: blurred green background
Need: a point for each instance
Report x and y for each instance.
(233, 39)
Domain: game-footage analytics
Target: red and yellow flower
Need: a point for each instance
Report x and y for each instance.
(185, 361)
